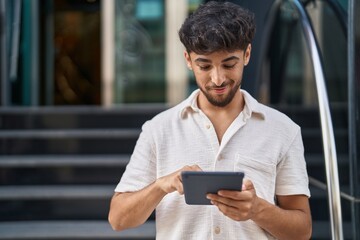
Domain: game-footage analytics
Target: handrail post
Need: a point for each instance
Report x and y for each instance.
(332, 176)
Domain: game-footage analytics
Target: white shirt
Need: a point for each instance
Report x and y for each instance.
(261, 141)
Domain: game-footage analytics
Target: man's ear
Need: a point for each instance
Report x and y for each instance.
(188, 59)
(247, 54)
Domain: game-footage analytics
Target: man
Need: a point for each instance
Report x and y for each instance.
(218, 128)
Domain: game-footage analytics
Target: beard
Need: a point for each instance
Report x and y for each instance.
(221, 100)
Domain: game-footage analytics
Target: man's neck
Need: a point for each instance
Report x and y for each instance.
(222, 117)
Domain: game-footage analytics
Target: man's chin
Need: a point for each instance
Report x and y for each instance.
(219, 102)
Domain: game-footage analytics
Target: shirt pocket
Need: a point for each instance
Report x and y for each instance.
(261, 173)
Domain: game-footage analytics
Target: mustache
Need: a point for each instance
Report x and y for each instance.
(214, 86)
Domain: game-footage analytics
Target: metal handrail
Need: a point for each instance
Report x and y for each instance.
(319, 184)
(332, 175)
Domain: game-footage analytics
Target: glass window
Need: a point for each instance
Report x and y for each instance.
(140, 51)
(344, 4)
(328, 25)
(288, 76)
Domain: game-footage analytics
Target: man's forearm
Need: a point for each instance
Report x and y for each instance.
(283, 223)
(128, 210)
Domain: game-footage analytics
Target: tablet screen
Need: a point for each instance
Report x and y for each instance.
(198, 184)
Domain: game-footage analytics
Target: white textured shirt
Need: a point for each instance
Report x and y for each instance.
(262, 142)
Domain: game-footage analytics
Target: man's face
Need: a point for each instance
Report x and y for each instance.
(219, 74)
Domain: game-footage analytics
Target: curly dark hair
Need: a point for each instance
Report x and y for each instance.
(217, 26)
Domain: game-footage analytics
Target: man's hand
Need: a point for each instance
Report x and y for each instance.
(173, 181)
(290, 219)
(239, 206)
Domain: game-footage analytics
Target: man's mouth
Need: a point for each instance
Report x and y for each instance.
(219, 90)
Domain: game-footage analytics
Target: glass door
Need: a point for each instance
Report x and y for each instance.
(76, 52)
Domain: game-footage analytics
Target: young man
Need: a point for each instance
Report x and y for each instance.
(218, 128)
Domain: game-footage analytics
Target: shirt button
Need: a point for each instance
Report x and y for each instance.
(208, 126)
(217, 230)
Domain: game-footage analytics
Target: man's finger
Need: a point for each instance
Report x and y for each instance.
(247, 185)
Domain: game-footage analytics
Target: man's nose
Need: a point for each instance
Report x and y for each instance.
(217, 76)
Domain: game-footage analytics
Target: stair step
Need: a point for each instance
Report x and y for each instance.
(70, 133)
(70, 141)
(316, 166)
(72, 230)
(58, 192)
(22, 230)
(322, 230)
(308, 116)
(31, 161)
(106, 132)
(125, 109)
(318, 159)
(69, 144)
(122, 116)
(317, 192)
(312, 139)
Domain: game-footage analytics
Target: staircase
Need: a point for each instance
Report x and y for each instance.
(309, 120)
(59, 167)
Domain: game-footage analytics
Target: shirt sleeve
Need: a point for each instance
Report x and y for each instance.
(141, 170)
(292, 177)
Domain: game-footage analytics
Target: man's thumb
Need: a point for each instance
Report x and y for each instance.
(247, 185)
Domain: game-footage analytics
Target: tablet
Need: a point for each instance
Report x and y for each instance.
(198, 184)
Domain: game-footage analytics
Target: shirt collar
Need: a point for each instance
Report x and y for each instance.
(252, 106)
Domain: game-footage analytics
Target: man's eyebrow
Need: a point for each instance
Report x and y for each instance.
(203, 60)
(230, 58)
(209, 61)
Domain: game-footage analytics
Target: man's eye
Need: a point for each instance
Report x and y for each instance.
(204, 67)
(229, 66)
